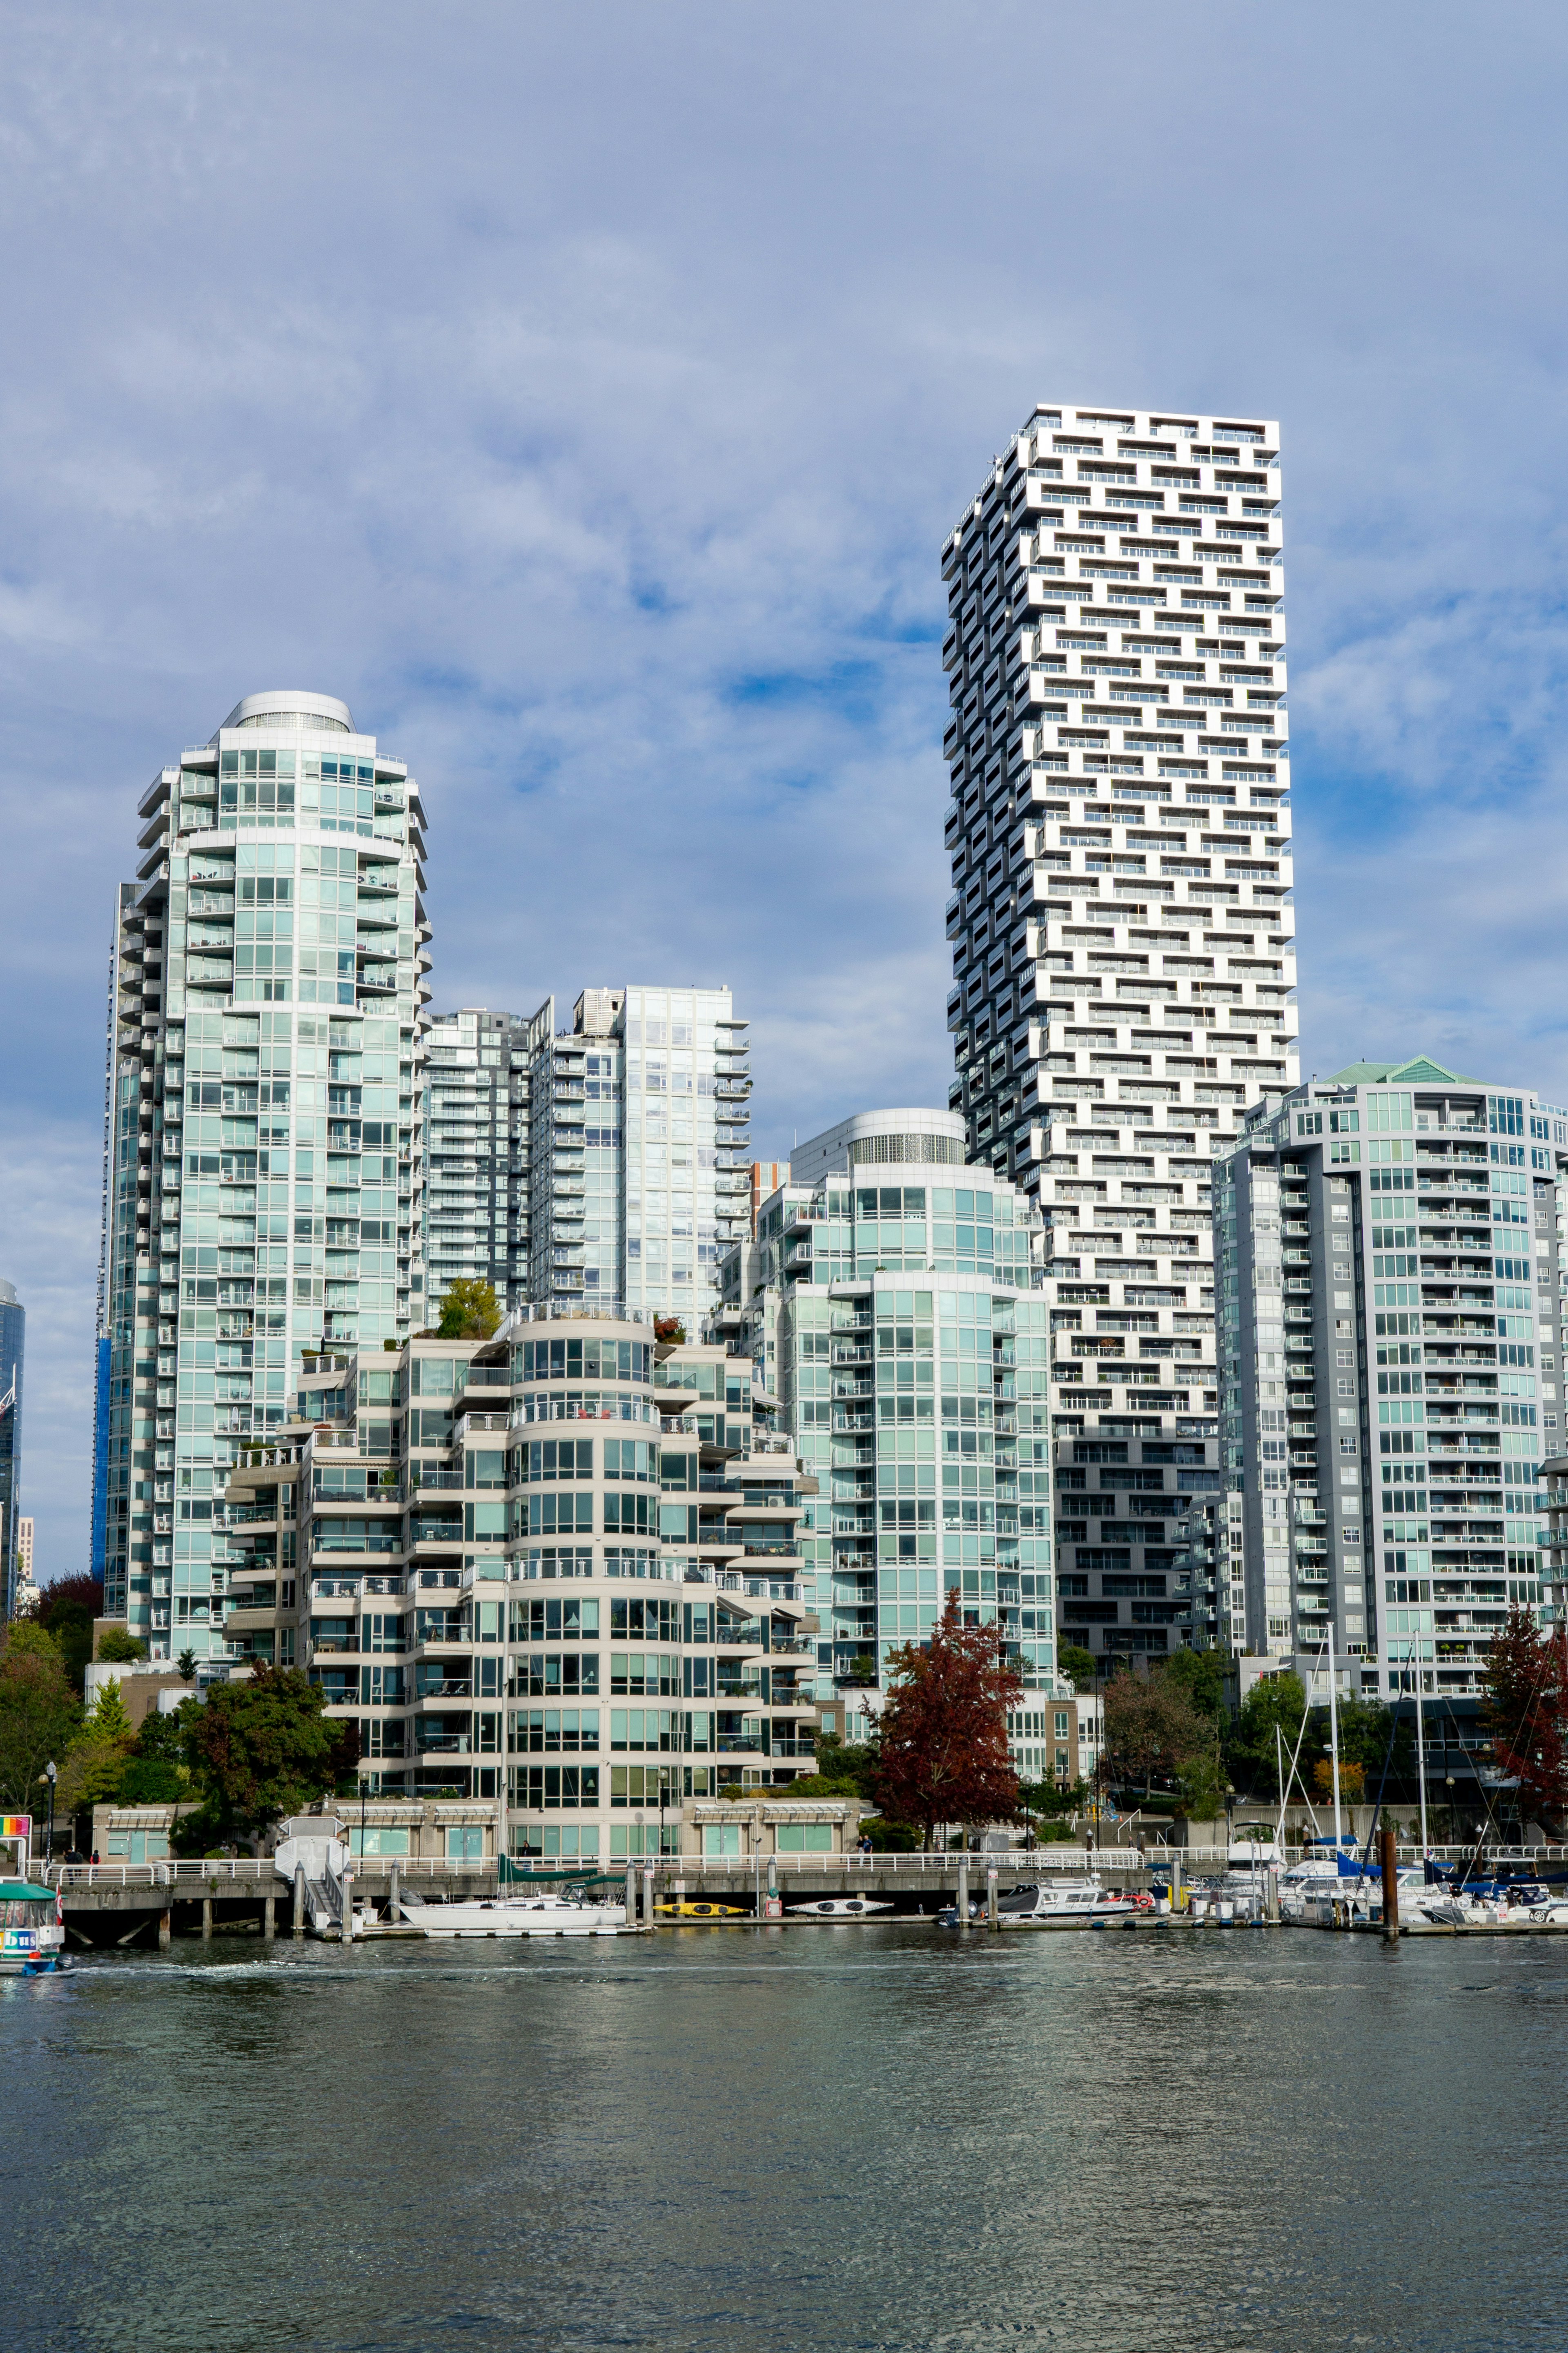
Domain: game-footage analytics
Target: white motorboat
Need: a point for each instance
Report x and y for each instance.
(1053, 1903)
(564, 1914)
(840, 1907)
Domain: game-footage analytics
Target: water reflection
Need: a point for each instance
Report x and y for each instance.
(869, 2136)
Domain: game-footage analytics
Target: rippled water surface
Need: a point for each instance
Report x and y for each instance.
(814, 2137)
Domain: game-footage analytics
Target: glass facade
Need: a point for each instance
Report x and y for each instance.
(13, 1335)
(1390, 1255)
(899, 1324)
(264, 1165)
(476, 1145)
(556, 1571)
(639, 1163)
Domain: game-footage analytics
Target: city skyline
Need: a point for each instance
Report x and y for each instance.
(666, 658)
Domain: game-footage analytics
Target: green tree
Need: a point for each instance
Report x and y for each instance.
(942, 1734)
(120, 1645)
(1078, 1665)
(470, 1311)
(66, 1611)
(842, 1771)
(1276, 1702)
(96, 1761)
(186, 1665)
(40, 1714)
(1152, 1727)
(261, 1749)
(151, 1781)
(1201, 1674)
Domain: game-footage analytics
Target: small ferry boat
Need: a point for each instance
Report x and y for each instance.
(32, 1931)
(565, 1913)
(840, 1907)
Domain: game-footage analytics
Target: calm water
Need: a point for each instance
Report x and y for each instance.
(818, 2137)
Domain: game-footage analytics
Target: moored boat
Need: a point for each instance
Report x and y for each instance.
(566, 1913)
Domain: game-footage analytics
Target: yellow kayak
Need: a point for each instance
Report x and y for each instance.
(704, 1911)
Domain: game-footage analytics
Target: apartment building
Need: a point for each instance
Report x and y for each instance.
(889, 1303)
(15, 1554)
(264, 1155)
(1124, 932)
(640, 1159)
(1390, 1246)
(477, 1077)
(556, 1569)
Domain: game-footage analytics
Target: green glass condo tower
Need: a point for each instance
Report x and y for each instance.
(263, 1160)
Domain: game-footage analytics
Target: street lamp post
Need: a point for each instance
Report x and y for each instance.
(51, 1775)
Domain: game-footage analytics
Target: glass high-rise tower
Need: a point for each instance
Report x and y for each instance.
(1123, 933)
(13, 1335)
(639, 1142)
(264, 1161)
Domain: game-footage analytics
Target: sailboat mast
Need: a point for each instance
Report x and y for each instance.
(1420, 1748)
(1334, 1735)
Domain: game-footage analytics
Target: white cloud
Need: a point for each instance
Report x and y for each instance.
(587, 398)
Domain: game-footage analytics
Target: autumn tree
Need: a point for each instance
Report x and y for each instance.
(469, 1309)
(1525, 1712)
(942, 1734)
(261, 1749)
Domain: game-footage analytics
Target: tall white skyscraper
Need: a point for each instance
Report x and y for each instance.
(264, 1159)
(1122, 928)
(640, 1156)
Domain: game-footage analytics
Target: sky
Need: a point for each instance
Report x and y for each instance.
(585, 395)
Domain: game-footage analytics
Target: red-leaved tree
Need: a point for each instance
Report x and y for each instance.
(1526, 1710)
(942, 1735)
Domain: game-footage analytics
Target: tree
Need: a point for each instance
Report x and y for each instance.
(1275, 1702)
(669, 1330)
(66, 1611)
(942, 1745)
(470, 1311)
(842, 1771)
(95, 1763)
(1352, 1781)
(1201, 1674)
(1152, 1727)
(1078, 1665)
(118, 1644)
(40, 1714)
(261, 1749)
(1525, 1713)
(187, 1664)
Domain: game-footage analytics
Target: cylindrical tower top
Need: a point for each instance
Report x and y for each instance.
(291, 706)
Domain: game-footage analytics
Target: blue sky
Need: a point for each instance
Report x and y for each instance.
(584, 393)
